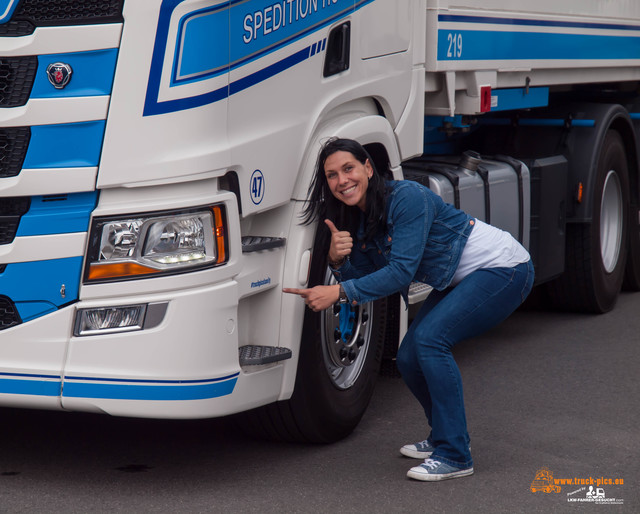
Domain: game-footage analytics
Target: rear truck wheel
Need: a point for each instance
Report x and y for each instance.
(339, 362)
(596, 252)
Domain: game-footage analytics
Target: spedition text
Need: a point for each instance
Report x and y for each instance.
(281, 14)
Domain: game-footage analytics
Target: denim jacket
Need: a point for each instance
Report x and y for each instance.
(423, 243)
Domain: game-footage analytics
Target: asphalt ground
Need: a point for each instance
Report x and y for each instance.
(543, 390)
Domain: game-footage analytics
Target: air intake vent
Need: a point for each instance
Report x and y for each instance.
(9, 316)
(16, 80)
(14, 142)
(11, 210)
(41, 13)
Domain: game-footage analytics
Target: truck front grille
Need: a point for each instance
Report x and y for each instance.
(16, 79)
(9, 316)
(14, 142)
(42, 13)
(11, 210)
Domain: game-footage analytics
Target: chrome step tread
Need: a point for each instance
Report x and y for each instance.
(418, 292)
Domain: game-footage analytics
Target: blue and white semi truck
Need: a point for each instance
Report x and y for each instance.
(155, 156)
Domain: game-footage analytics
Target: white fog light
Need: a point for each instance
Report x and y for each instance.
(106, 320)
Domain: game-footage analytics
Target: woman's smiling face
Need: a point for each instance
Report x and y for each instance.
(348, 178)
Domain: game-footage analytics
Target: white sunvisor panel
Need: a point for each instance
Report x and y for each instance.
(391, 21)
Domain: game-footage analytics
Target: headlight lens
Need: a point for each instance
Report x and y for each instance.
(175, 241)
(119, 239)
(157, 243)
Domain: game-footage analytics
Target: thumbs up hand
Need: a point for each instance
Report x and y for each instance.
(341, 243)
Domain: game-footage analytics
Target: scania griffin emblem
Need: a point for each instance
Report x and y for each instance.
(59, 74)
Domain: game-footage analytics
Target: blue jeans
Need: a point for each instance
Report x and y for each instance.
(479, 302)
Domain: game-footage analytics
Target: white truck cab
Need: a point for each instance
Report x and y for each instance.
(156, 157)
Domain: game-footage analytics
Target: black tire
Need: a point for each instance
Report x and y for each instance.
(329, 397)
(596, 252)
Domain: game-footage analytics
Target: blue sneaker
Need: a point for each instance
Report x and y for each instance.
(421, 450)
(432, 470)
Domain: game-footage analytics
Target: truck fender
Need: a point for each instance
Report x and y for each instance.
(367, 128)
(584, 145)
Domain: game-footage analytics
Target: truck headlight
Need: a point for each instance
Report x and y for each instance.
(157, 243)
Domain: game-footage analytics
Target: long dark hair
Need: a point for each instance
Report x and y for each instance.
(321, 204)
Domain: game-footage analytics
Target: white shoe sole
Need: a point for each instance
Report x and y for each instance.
(418, 473)
(408, 450)
(414, 454)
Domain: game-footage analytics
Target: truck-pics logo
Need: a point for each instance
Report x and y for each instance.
(591, 489)
(59, 74)
(543, 482)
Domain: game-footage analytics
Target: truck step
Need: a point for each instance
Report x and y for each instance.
(418, 292)
(254, 355)
(257, 243)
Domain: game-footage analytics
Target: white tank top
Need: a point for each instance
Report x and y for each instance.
(489, 247)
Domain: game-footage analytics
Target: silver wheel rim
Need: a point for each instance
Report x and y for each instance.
(611, 222)
(344, 359)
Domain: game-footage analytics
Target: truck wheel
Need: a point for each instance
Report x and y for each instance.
(596, 252)
(339, 362)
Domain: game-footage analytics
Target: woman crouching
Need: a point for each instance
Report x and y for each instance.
(386, 234)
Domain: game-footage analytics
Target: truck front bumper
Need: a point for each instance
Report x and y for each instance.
(185, 366)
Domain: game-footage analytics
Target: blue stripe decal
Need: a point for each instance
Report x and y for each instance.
(472, 45)
(263, 26)
(92, 75)
(151, 104)
(70, 145)
(255, 32)
(234, 87)
(534, 23)
(29, 375)
(269, 71)
(537, 122)
(58, 214)
(162, 392)
(6, 9)
(519, 98)
(36, 287)
(32, 387)
(152, 382)
(207, 28)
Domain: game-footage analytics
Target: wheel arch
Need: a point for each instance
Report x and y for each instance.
(625, 128)
(311, 406)
(359, 120)
(582, 164)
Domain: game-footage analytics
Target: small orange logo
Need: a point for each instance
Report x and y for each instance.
(544, 482)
